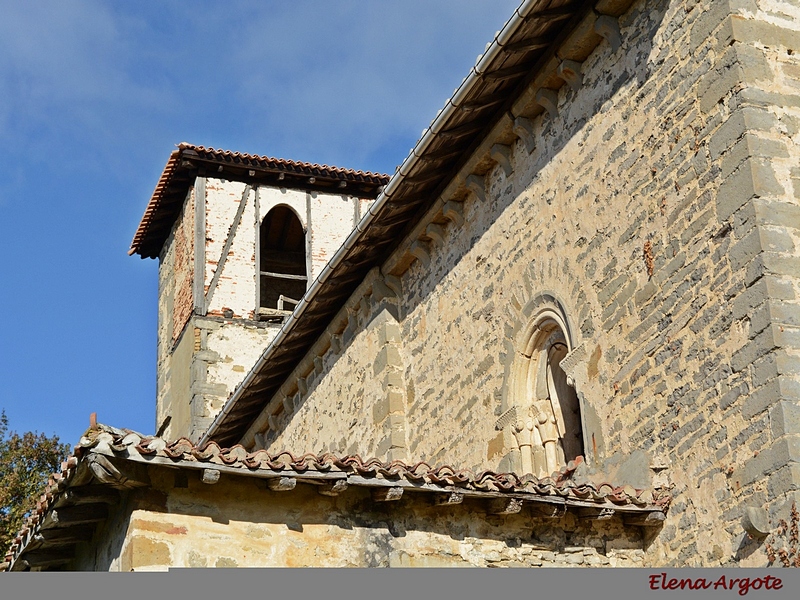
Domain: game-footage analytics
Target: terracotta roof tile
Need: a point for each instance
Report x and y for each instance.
(129, 445)
(185, 162)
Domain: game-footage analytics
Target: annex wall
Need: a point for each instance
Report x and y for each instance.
(239, 523)
(654, 205)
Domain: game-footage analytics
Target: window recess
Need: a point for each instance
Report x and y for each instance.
(283, 276)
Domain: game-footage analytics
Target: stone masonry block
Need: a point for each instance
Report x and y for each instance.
(380, 410)
(751, 145)
(219, 390)
(756, 96)
(765, 369)
(388, 356)
(397, 454)
(782, 336)
(776, 212)
(389, 333)
(207, 355)
(392, 378)
(707, 23)
(392, 402)
(754, 177)
(774, 239)
(784, 418)
(742, 29)
(397, 437)
(756, 295)
(784, 480)
(779, 288)
(626, 293)
(397, 401)
(397, 420)
(670, 268)
(753, 350)
(646, 292)
(207, 324)
(723, 79)
(746, 119)
(786, 336)
(781, 265)
(788, 363)
(755, 68)
(696, 226)
(760, 319)
(383, 447)
(782, 451)
(755, 270)
(743, 251)
(613, 286)
(787, 313)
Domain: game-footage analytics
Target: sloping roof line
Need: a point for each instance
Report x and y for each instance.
(124, 444)
(474, 109)
(185, 162)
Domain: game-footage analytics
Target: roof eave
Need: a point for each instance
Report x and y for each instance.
(189, 161)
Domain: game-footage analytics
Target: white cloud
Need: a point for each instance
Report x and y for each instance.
(311, 80)
(339, 82)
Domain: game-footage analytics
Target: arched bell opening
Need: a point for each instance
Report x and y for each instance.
(283, 276)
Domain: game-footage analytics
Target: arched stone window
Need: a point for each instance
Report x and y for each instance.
(544, 416)
(283, 277)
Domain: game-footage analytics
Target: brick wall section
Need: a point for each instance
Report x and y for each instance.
(328, 219)
(658, 207)
(183, 268)
(235, 289)
(224, 350)
(175, 303)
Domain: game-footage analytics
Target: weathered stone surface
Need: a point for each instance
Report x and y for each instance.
(232, 525)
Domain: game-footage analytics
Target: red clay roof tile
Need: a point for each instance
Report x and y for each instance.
(183, 163)
(126, 444)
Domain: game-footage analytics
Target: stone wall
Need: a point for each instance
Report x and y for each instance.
(366, 413)
(240, 523)
(655, 207)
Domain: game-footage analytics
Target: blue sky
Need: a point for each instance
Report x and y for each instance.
(95, 94)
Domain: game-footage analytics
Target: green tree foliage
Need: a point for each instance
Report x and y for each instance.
(26, 462)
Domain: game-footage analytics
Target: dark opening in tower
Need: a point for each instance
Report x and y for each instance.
(283, 276)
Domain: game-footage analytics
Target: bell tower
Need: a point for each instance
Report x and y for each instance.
(239, 239)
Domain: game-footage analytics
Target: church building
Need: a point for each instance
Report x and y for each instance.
(565, 332)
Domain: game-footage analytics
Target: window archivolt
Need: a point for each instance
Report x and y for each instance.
(283, 274)
(544, 417)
